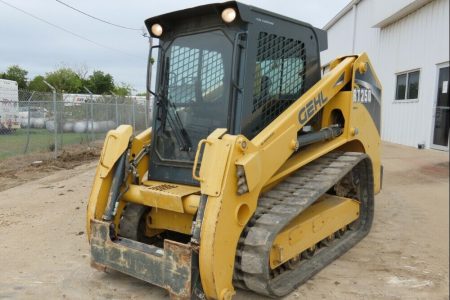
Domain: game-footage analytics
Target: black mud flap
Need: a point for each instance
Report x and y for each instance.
(169, 268)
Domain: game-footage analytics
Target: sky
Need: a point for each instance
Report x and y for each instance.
(39, 47)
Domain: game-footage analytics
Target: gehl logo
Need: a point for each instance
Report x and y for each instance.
(314, 105)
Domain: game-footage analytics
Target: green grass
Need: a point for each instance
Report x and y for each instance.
(40, 140)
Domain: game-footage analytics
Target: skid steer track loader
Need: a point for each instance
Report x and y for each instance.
(257, 171)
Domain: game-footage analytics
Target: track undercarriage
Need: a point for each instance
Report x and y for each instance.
(336, 177)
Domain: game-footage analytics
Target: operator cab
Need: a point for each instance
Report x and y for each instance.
(225, 65)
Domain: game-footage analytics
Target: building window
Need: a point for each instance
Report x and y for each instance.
(413, 85)
(407, 87)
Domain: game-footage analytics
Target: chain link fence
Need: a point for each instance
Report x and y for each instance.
(53, 122)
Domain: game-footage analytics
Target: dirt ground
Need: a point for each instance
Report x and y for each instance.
(17, 170)
(44, 252)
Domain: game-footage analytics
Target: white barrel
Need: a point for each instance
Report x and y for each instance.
(96, 127)
(68, 126)
(80, 126)
(24, 122)
(110, 125)
(38, 123)
(50, 125)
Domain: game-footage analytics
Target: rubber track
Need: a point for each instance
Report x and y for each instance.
(283, 203)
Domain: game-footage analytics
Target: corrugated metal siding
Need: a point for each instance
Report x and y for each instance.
(340, 35)
(339, 39)
(418, 41)
(366, 37)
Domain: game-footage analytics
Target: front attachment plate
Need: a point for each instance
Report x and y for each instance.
(169, 268)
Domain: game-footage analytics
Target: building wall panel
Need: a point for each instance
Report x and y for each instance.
(339, 39)
(419, 40)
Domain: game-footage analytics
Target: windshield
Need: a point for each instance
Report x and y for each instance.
(195, 93)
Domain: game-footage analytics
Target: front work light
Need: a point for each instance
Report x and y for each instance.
(228, 15)
(157, 30)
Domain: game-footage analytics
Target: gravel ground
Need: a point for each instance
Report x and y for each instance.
(44, 252)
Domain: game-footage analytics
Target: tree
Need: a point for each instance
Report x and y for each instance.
(82, 71)
(65, 79)
(69, 80)
(123, 89)
(17, 74)
(100, 83)
(38, 85)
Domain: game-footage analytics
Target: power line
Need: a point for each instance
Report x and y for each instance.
(66, 30)
(98, 19)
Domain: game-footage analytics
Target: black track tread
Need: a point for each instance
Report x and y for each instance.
(283, 203)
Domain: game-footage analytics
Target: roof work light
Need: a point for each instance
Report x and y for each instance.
(157, 30)
(228, 15)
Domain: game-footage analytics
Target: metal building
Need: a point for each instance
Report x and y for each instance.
(408, 43)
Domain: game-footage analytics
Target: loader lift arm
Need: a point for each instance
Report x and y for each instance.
(260, 158)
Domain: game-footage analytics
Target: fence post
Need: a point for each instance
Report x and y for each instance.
(92, 114)
(25, 150)
(134, 112)
(55, 118)
(61, 122)
(92, 119)
(86, 113)
(117, 108)
(117, 112)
